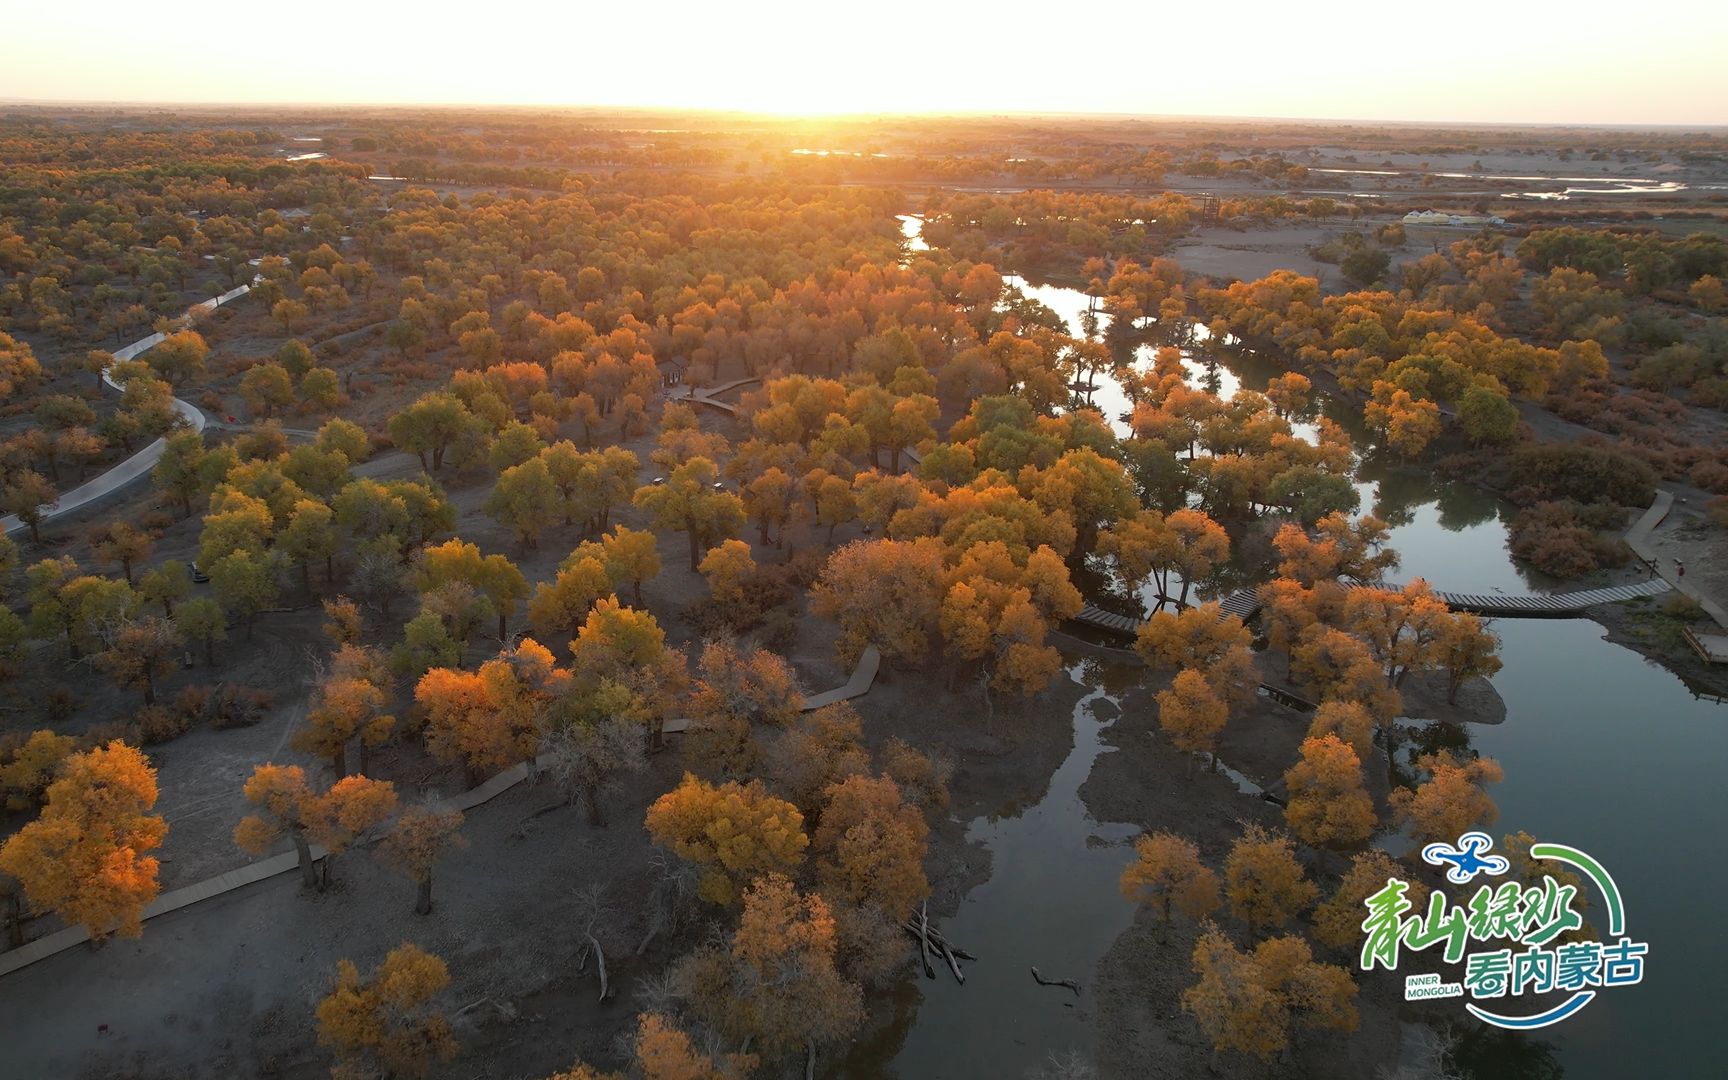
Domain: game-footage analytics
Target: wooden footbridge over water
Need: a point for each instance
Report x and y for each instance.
(1244, 604)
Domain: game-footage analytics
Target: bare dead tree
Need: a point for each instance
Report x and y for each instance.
(592, 913)
(587, 760)
(671, 899)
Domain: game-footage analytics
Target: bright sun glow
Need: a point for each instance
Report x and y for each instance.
(1474, 60)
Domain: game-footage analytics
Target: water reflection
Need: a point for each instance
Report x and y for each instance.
(1451, 532)
(1601, 747)
(1051, 902)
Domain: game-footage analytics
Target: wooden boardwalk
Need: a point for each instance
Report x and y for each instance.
(858, 684)
(1549, 605)
(705, 396)
(1244, 604)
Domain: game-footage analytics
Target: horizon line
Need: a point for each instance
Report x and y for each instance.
(7, 101)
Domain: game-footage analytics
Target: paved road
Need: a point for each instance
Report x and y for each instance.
(139, 464)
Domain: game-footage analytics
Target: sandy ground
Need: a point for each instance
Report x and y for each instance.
(1224, 254)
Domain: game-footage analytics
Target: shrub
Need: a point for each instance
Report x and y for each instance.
(106, 732)
(1718, 511)
(1712, 476)
(157, 724)
(155, 520)
(1582, 472)
(59, 703)
(1562, 539)
(232, 706)
(1677, 605)
(779, 631)
(191, 702)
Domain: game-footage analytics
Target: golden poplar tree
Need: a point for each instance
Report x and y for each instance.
(85, 857)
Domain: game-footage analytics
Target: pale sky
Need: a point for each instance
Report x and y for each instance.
(1510, 61)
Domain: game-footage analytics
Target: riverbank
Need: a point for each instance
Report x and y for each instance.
(1140, 1027)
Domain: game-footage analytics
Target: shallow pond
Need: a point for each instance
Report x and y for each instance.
(1602, 750)
(1051, 903)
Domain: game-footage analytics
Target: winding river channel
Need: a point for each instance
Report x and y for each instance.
(1602, 749)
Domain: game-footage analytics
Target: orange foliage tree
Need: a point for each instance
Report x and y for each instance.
(732, 833)
(1167, 874)
(334, 819)
(388, 1023)
(1451, 801)
(1328, 805)
(776, 983)
(1263, 880)
(85, 857)
(490, 719)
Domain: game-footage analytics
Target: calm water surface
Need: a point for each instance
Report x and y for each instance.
(1602, 750)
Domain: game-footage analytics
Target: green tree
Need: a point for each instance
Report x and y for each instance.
(429, 427)
(245, 584)
(689, 502)
(266, 388)
(203, 620)
(1487, 416)
(526, 500)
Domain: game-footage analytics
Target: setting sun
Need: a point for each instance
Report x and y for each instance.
(1479, 60)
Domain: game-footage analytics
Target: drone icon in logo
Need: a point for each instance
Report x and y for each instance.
(1466, 860)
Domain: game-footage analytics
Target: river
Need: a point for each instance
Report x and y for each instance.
(1603, 750)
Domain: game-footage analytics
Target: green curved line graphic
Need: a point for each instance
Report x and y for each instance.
(1599, 874)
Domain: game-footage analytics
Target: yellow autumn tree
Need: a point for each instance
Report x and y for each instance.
(1338, 921)
(1335, 666)
(1263, 881)
(733, 833)
(85, 857)
(1252, 1003)
(1401, 629)
(1192, 713)
(1406, 424)
(1328, 805)
(25, 776)
(1192, 638)
(1350, 721)
(1167, 875)
(1450, 802)
(727, 568)
(776, 982)
(389, 1023)
(870, 846)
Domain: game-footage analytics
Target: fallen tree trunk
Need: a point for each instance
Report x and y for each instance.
(1069, 983)
(936, 940)
(924, 939)
(600, 962)
(954, 964)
